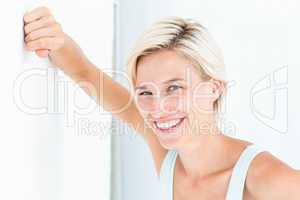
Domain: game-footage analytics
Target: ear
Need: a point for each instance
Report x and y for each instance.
(217, 87)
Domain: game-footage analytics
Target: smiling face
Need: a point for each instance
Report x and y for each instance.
(174, 100)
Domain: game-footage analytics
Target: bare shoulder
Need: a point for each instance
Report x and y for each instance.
(270, 178)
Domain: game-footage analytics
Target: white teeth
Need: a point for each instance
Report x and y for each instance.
(166, 125)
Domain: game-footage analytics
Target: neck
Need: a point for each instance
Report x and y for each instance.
(204, 154)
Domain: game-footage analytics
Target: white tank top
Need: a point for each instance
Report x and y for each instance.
(237, 181)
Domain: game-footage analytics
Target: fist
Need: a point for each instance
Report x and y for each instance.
(42, 32)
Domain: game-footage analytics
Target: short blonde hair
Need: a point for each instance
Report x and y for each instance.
(187, 37)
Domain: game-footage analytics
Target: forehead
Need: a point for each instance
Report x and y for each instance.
(163, 65)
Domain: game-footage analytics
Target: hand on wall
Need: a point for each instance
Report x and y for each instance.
(42, 32)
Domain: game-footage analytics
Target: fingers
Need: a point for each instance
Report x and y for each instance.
(43, 22)
(42, 32)
(44, 43)
(51, 31)
(36, 14)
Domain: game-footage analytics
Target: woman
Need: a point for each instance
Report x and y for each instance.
(177, 71)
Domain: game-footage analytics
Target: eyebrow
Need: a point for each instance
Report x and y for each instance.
(172, 80)
(165, 82)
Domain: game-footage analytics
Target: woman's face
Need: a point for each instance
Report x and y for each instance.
(172, 98)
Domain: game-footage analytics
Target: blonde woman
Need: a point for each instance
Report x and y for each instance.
(177, 72)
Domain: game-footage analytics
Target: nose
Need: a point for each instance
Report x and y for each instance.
(164, 104)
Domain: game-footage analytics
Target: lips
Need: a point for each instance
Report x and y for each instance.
(168, 126)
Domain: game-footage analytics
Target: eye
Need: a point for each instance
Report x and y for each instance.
(145, 93)
(173, 87)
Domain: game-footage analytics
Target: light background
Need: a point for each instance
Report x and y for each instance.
(259, 41)
(59, 154)
(49, 156)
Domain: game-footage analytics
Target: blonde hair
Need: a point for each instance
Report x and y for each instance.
(187, 37)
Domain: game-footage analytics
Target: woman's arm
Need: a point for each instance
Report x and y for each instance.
(45, 36)
(108, 93)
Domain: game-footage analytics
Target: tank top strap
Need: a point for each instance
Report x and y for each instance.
(237, 181)
(167, 173)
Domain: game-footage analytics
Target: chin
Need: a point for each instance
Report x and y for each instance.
(169, 142)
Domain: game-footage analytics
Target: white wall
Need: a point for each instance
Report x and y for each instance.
(47, 155)
(262, 103)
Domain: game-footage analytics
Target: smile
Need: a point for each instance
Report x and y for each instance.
(168, 126)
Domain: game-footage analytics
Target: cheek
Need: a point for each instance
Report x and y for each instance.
(144, 106)
(202, 102)
(171, 103)
(177, 103)
(185, 103)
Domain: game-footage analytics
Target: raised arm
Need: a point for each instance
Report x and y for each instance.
(45, 36)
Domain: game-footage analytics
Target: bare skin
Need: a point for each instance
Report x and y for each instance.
(201, 172)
